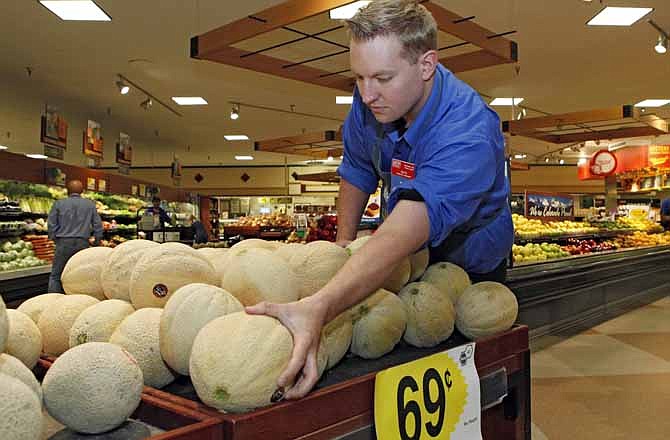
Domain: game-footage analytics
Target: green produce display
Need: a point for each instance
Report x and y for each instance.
(18, 255)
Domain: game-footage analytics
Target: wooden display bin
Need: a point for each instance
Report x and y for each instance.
(342, 404)
(177, 422)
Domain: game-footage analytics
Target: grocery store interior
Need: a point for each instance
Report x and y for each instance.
(231, 114)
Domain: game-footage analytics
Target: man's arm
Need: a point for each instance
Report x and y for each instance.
(52, 221)
(97, 226)
(403, 232)
(350, 206)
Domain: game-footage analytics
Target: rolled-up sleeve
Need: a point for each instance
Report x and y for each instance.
(453, 180)
(356, 167)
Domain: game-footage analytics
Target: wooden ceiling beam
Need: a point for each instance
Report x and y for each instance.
(294, 141)
(596, 135)
(261, 22)
(655, 122)
(473, 33)
(472, 61)
(527, 126)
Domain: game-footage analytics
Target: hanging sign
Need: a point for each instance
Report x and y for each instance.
(93, 142)
(436, 397)
(547, 206)
(603, 163)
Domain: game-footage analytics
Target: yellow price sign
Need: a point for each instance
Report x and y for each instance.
(428, 398)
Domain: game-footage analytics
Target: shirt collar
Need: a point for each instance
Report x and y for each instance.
(427, 113)
(75, 195)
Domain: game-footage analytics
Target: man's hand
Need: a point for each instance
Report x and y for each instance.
(304, 319)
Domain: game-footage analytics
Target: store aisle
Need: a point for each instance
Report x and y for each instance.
(610, 382)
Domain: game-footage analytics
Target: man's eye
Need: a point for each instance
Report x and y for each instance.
(384, 79)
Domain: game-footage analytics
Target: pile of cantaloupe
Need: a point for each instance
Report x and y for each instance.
(144, 313)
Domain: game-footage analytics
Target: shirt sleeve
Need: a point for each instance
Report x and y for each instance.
(356, 167)
(97, 225)
(52, 221)
(452, 181)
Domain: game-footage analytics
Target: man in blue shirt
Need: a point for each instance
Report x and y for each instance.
(665, 213)
(71, 223)
(440, 152)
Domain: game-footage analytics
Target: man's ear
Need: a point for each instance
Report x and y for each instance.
(428, 63)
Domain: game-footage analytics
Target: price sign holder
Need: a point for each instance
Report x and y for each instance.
(437, 396)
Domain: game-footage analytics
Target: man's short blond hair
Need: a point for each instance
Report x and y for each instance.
(411, 22)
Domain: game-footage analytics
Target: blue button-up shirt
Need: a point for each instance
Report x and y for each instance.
(74, 217)
(459, 152)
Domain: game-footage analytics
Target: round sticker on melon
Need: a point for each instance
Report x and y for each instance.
(160, 290)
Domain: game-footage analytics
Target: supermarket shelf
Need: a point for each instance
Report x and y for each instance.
(565, 237)
(21, 273)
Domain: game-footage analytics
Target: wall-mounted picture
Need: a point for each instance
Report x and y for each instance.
(53, 128)
(102, 185)
(90, 183)
(142, 191)
(93, 142)
(124, 151)
(134, 190)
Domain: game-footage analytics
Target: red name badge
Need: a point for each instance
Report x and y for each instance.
(403, 169)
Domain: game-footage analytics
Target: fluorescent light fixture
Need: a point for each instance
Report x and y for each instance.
(330, 158)
(189, 100)
(36, 156)
(506, 101)
(618, 16)
(2, 147)
(652, 103)
(520, 156)
(236, 137)
(344, 100)
(76, 10)
(566, 149)
(347, 11)
(244, 158)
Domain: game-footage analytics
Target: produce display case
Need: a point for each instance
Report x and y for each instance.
(341, 406)
(154, 419)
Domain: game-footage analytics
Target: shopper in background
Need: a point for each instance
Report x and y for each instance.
(199, 232)
(665, 213)
(71, 222)
(439, 151)
(156, 209)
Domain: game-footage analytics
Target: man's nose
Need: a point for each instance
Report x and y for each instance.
(368, 94)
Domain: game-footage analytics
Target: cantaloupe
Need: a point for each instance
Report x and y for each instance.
(401, 273)
(189, 310)
(139, 334)
(34, 306)
(56, 321)
(255, 243)
(336, 339)
(81, 275)
(93, 388)
(485, 309)
(289, 250)
(4, 325)
(128, 430)
(218, 257)
(430, 314)
(11, 366)
(116, 274)
(243, 375)
(419, 262)
(25, 340)
(98, 322)
(164, 269)
(255, 275)
(20, 411)
(315, 264)
(381, 323)
(448, 278)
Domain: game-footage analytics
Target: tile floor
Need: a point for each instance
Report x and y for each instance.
(611, 382)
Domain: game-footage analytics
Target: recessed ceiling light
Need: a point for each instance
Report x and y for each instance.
(506, 101)
(236, 137)
(2, 147)
(347, 11)
(618, 16)
(244, 158)
(344, 100)
(76, 10)
(189, 100)
(36, 156)
(561, 161)
(652, 103)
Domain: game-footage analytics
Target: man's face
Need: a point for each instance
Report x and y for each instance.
(389, 85)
